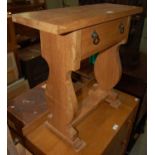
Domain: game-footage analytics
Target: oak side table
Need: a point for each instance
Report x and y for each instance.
(69, 35)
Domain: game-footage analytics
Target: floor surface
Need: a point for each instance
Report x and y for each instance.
(140, 147)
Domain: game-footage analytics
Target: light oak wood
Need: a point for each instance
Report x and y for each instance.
(69, 35)
(108, 68)
(64, 20)
(60, 94)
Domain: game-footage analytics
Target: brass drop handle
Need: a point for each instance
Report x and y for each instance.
(121, 28)
(95, 38)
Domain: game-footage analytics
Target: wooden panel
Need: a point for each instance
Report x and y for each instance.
(16, 88)
(11, 38)
(109, 34)
(63, 20)
(11, 75)
(12, 71)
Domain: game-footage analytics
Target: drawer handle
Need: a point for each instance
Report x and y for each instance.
(95, 38)
(121, 28)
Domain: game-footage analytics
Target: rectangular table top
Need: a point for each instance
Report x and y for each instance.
(64, 20)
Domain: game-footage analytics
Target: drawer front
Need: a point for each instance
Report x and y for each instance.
(99, 37)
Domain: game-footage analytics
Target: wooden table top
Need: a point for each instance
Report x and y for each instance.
(64, 20)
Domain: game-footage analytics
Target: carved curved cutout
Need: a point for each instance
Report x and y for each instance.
(60, 94)
(108, 68)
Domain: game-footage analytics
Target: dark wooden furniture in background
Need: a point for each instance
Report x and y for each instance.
(20, 36)
(11, 37)
(16, 7)
(24, 38)
(11, 41)
(20, 30)
(34, 67)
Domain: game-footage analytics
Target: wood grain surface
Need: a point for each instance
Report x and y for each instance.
(64, 20)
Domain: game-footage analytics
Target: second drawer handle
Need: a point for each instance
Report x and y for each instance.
(95, 38)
